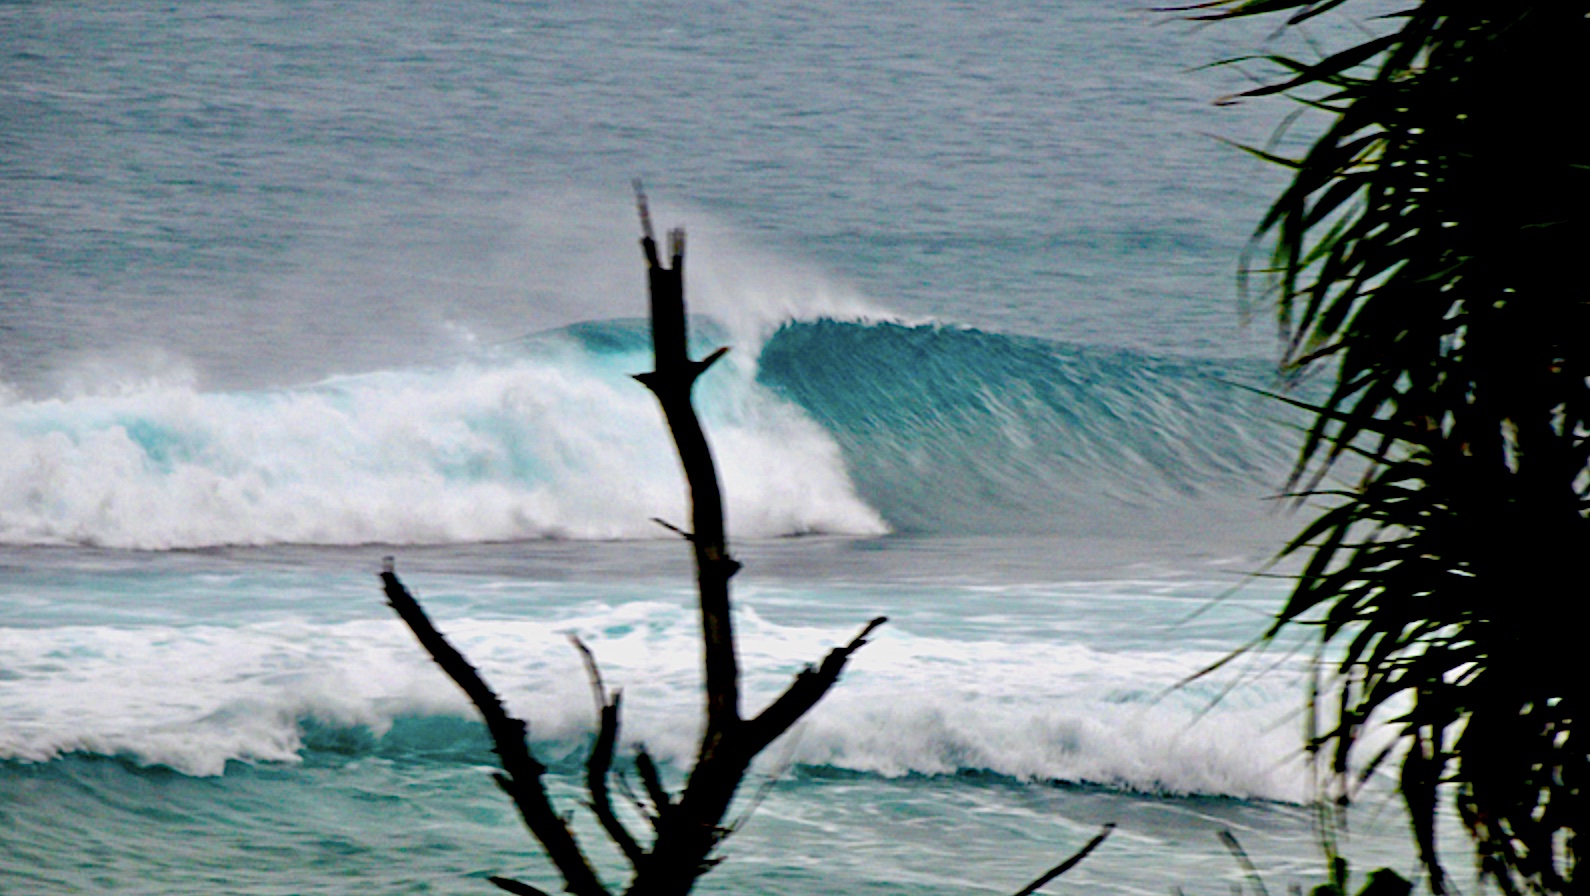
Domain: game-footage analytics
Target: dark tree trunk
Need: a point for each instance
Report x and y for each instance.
(687, 828)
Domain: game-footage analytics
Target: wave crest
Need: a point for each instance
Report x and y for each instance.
(558, 442)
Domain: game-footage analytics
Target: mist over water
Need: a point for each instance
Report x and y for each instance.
(285, 289)
(273, 195)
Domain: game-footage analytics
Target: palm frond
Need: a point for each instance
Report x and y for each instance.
(1426, 254)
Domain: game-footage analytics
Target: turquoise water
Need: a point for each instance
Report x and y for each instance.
(288, 288)
(175, 720)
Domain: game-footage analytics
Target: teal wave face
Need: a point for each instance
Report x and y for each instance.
(828, 427)
(957, 429)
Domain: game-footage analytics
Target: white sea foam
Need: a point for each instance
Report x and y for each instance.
(195, 697)
(559, 445)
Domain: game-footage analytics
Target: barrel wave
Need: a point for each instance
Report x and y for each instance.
(953, 429)
(834, 427)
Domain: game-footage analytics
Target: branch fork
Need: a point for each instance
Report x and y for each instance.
(685, 829)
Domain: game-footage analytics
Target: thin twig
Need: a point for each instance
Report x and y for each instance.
(660, 798)
(1068, 864)
(518, 888)
(645, 213)
(521, 772)
(803, 693)
(598, 690)
(600, 762)
(1248, 868)
(672, 528)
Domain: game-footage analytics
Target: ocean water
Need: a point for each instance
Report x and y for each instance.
(286, 288)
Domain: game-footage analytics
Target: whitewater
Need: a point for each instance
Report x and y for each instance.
(285, 290)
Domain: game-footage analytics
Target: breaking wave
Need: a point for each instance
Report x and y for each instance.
(827, 427)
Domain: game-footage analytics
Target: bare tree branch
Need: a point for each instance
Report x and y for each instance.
(521, 778)
(661, 799)
(809, 686)
(672, 528)
(515, 887)
(594, 673)
(1248, 868)
(1068, 864)
(672, 379)
(600, 762)
(688, 828)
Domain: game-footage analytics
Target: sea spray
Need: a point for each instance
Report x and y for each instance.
(558, 443)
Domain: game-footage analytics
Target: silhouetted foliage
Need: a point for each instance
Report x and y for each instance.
(1427, 256)
(1380, 882)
